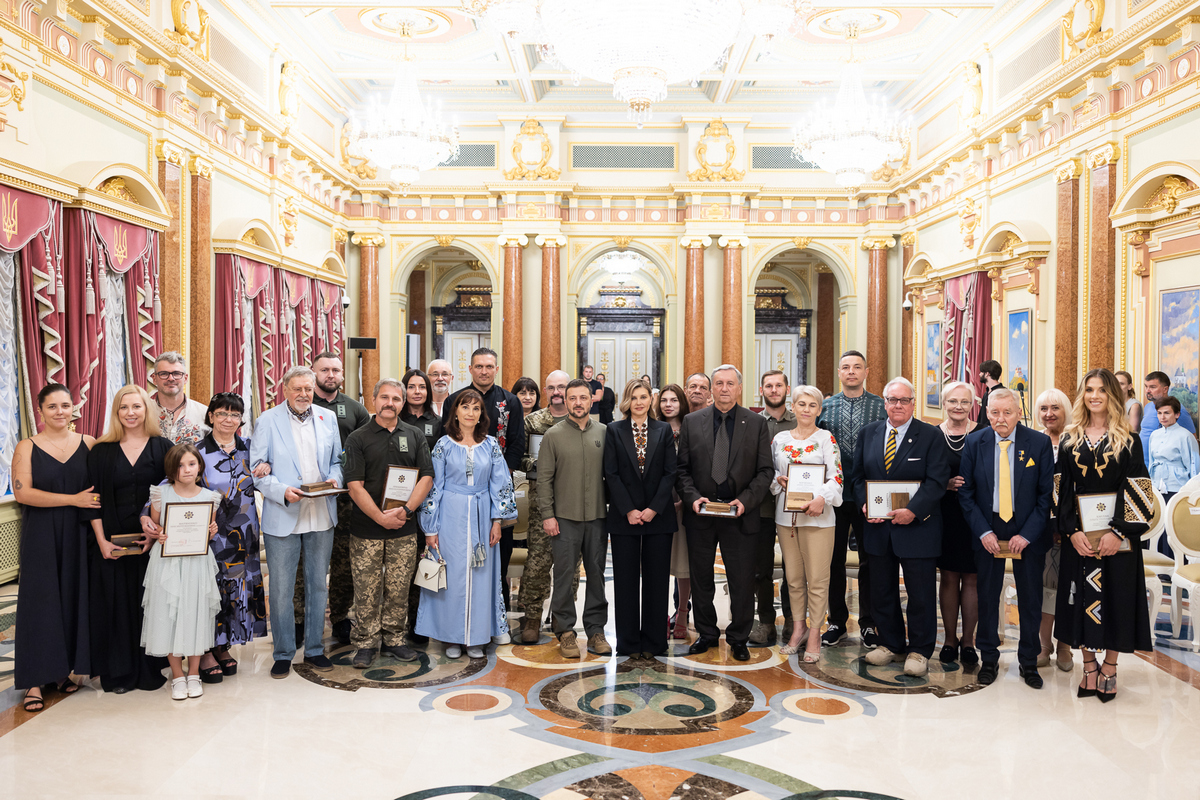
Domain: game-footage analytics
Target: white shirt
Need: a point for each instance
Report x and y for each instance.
(887, 432)
(436, 405)
(314, 511)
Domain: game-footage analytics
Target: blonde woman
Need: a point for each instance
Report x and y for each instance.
(806, 535)
(1052, 407)
(124, 463)
(1101, 593)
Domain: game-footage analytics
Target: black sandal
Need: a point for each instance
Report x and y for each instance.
(211, 674)
(228, 665)
(68, 686)
(34, 704)
(1087, 692)
(1106, 685)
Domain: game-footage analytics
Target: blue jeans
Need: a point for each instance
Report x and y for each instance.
(283, 557)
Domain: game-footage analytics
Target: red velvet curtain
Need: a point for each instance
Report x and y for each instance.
(296, 292)
(87, 372)
(259, 283)
(230, 339)
(967, 329)
(331, 301)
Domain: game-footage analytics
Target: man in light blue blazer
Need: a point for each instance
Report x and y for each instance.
(300, 442)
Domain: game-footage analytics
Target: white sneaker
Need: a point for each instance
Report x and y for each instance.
(453, 651)
(503, 638)
(916, 665)
(474, 652)
(179, 689)
(882, 655)
(194, 687)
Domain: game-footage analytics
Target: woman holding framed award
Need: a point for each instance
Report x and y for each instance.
(124, 463)
(807, 486)
(182, 599)
(1104, 501)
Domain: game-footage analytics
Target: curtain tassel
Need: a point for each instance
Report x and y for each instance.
(157, 306)
(90, 297)
(147, 292)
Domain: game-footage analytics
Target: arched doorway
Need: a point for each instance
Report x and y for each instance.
(460, 308)
(783, 317)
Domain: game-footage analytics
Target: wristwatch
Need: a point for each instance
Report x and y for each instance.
(408, 512)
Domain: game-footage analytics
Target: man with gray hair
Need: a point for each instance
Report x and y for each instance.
(441, 375)
(724, 459)
(180, 417)
(302, 445)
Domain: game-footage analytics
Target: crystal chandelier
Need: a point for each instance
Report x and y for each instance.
(639, 47)
(855, 136)
(622, 265)
(405, 136)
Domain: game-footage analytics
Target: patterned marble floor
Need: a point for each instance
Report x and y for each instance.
(525, 723)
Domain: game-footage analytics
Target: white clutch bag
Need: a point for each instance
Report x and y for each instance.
(431, 571)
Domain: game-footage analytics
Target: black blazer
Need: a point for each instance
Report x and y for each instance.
(750, 467)
(920, 456)
(629, 489)
(1033, 483)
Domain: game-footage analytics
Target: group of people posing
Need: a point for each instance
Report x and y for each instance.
(683, 472)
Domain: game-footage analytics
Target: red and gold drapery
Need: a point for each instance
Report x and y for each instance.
(967, 329)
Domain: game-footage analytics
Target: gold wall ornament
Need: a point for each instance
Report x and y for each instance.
(340, 235)
(530, 169)
(997, 286)
(887, 172)
(622, 242)
(367, 239)
(12, 87)
(532, 211)
(718, 135)
(1081, 27)
(360, 169)
(940, 288)
(1140, 268)
(970, 105)
(249, 237)
(444, 239)
(1167, 195)
(716, 211)
(1068, 171)
(1136, 238)
(969, 217)
(115, 187)
(880, 243)
(288, 211)
(1010, 242)
(438, 322)
(1108, 154)
(289, 94)
(909, 239)
(191, 27)
(120, 244)
(166, 150)
(802, 242)
(200, 166)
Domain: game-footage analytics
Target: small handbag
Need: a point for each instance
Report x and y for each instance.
(431, 570)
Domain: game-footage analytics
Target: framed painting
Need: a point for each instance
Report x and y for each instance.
(1020, 366)
(933, 364)
(1179, 345)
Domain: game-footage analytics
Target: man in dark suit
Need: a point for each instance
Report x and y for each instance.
(901, 448)
(724, 457)
(1000, 464)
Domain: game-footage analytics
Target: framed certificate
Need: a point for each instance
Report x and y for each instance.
(803, 482)
(1096, 512)
(535, 447)
(128, 544)
(1005, 552)
(399, 486)
(185, 529)
(717, 510)
(884, 497)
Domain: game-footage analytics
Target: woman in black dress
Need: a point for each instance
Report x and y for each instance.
(1102, 595)
(958, 590)
(50, 481)
(418, 408)
(124, 463)
(639, 469)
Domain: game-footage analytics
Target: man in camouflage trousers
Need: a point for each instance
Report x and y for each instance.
(535, 581)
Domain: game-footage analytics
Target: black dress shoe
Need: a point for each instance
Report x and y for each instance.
(988, 672)
(320, 663)
(740, 652)
(1030, 674)
(400, 652)
(701, 645)
(280, 669)
(418, 639)
(342, 630)
(970, 656)
(949, 654)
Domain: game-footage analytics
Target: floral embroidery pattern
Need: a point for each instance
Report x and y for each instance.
(502, 423)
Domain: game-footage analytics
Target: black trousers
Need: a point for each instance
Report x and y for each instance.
(641, 586)
(506, 548)
(920, 581)
(764, 572)
(847, 516)
(738, 552)
(1027, 574)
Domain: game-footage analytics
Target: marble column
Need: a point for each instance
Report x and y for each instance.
(170, 252)
(693, 305)
(877, 312)
(825, 370)
(200, 386)
(418, 317)
(732, 301)
(1066, 279)
(908, 244)
(1102, 275)
(551, 348)
(512, 364)
(368, 309)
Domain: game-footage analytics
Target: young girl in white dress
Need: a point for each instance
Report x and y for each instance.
(181, 598)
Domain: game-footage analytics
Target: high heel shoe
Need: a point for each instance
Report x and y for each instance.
(1106, 685)
(1087, 692)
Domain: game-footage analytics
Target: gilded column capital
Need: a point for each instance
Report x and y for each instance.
(1068, 171)
(1108, 154)
(879, 243)
(694, 242)
(166, 150)
(551, 240)
(733, 241)
(512, 240)
(367, 239)
(340, 235)
(201, 166)
(909, 239)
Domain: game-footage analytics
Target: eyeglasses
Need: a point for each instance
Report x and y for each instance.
(226, 415)
(898, 401)
(175, 376)
(958, 402)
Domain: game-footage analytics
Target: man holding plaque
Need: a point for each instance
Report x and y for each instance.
(1000, 464)
(724, 472)
(388, 470)
(901, 471)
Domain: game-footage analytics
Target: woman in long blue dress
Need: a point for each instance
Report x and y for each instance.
(472, 492)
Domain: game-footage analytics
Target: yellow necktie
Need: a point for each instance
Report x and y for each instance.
(1005, 477)
(889, 452)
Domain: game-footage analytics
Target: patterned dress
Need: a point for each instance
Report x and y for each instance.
(471, 487)
(243, 613)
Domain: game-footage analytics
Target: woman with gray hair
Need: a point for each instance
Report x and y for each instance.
(1053, 408)
(957, 591)
(806, 531)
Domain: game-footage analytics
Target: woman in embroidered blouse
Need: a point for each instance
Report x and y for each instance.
(1174, 455)
(671, 406)
(1102, 594)
(806, 536)
(472, 493)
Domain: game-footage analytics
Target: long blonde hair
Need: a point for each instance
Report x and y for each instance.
(149, 424)
(1120, 435)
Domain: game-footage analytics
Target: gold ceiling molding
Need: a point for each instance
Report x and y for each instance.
(1167, 195)
(115, 187)
(444, 239)
(1068, 171)
(1108, 154)
(196, 39)
(718, 135)
(527, 169)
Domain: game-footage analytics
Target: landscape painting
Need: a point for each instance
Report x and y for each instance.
(1179, 345)
(1019, 366)
(933, 364)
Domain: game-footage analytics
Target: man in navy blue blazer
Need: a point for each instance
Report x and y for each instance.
(1008, 480)
(901, 448)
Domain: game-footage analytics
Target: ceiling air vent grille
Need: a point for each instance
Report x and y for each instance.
(238, 62)
(617, 156)
(776, 156)
(1044, 53)
(477, 156)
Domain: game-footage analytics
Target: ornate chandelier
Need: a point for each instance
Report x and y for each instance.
(855, 136)
(639, 47)
(405, 136)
